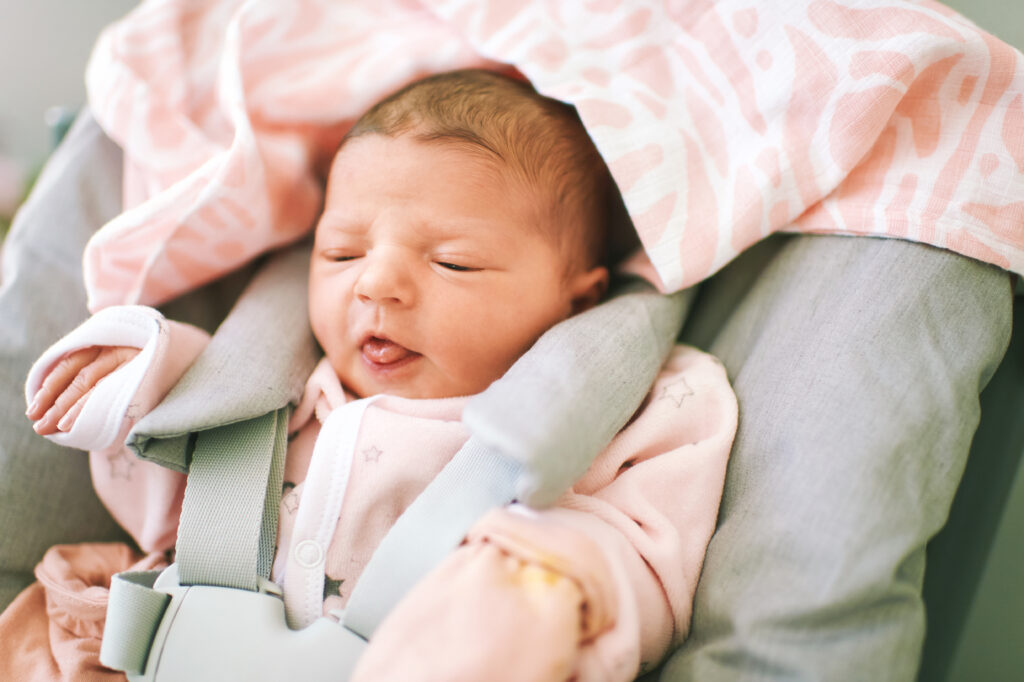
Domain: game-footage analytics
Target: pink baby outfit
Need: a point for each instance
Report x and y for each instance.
(52, 630)
(631, 533)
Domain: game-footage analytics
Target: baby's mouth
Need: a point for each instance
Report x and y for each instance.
(385, 353)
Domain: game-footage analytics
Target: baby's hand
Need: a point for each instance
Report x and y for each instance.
(65, 390)
(483, 615)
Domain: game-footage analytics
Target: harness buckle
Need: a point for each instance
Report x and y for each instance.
(221, 633)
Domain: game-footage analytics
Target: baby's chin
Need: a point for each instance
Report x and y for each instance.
(419, 388)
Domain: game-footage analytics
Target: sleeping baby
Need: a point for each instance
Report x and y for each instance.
(464, 216)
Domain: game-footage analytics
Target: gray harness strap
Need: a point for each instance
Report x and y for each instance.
(229, 517)
(476, 480)
(226, 533)
(234, 480)
(134, 612)
(584, 379)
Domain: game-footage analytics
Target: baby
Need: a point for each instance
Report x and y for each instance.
(465, 215)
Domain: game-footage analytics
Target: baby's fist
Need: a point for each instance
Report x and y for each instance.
(481, 615)
(66, 388)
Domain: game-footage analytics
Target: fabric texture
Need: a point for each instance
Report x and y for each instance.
(228, 521)
(138, 327)
(857, 364)
(215, 391)
(587, 375)
(52, 631)
(41, 299)
(721, 123)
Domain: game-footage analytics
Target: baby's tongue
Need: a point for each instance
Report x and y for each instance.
(384, 352)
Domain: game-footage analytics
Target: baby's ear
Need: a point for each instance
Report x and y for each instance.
(587, 288)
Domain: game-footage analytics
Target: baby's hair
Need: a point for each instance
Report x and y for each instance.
(539, 139)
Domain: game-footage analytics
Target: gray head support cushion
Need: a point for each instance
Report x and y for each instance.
(857, 364)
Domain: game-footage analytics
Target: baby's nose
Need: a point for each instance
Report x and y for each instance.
(384, 279)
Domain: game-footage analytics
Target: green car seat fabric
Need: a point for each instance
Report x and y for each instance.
(45, 496)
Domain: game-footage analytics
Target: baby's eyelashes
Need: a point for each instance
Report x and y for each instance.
(340, 257)
(456, 267)
(442, 262)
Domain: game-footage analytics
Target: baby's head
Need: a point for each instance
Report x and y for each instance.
(465, 215)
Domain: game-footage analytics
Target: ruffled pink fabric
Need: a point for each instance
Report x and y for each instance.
(51, 632)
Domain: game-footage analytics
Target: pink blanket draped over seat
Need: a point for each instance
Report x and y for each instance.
(722, 122)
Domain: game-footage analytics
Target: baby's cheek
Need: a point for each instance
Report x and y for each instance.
(475, 350)
(494, 367)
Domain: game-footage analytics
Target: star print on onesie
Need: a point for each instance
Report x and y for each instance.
(676, 392)
(120, 465)
(289, 498)
(332, 587)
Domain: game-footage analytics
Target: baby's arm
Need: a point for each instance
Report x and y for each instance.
(67, 387)
(482, 615)
(615, 564)
(87, 391)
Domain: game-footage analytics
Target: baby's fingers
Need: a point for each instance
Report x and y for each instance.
(58, 380)
(99, 364)
(68, 421)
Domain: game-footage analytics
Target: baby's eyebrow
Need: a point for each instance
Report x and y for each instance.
(428, 228)
(460, 225)
(451, 228)
(336, 221)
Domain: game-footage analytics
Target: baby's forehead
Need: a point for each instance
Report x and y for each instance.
(435, 173)
(540, 189)
(387, 158)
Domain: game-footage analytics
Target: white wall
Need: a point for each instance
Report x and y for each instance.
(44, 46)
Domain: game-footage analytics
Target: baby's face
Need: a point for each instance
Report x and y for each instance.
(428, 279)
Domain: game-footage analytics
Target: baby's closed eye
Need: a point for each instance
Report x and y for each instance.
(456, 267)
(338, 256)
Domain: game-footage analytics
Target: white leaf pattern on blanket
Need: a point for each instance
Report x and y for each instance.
(722, 122)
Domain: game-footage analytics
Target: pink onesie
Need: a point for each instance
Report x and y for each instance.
(631, 532)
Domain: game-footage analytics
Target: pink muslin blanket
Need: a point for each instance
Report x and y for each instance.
(722, 122)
